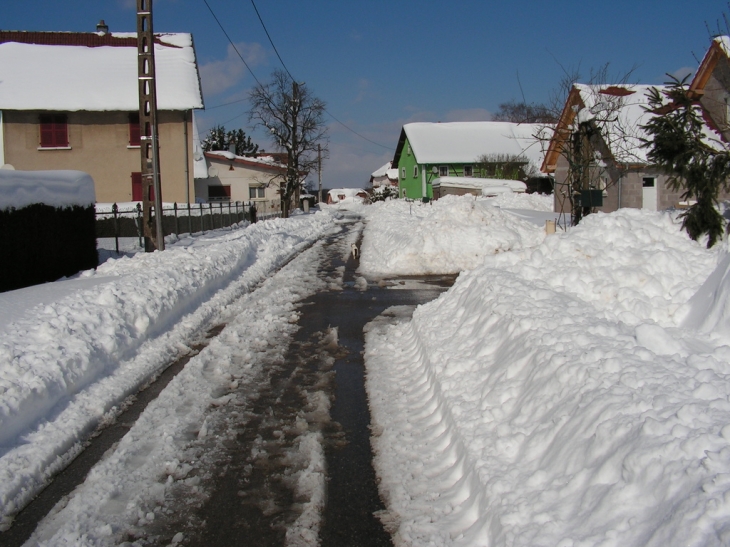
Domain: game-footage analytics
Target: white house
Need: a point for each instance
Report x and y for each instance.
(240, 178)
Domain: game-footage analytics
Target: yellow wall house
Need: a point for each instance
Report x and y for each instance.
(69, 100)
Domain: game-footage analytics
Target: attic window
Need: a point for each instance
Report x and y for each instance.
(403, 173)
(616, 91)
(408, 150)
(415, 171)
(54, 131)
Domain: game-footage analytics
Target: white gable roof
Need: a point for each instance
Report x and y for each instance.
(72, 78)
(464, 142)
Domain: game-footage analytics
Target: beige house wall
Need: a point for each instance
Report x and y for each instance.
(240, 178)
(624, 185)
(99, 145)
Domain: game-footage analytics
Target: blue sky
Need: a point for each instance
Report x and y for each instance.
(379, 64)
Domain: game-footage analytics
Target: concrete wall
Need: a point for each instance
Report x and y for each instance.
(99, 145)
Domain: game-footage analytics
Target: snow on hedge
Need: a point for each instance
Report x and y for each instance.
(19, 189)
(66, 362)
(448, 235)
(551, 397)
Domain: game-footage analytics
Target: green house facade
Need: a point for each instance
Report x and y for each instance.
(428, 151)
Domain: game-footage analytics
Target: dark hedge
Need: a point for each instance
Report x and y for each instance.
(40, 243)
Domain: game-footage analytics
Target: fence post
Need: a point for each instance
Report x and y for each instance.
(177, 224)
(212, 220)
(190, 221)
(229, 215)
(115, 209)
(139, 223)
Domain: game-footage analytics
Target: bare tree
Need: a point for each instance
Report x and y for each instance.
(522, 112)
(594, 135)
(295, 119)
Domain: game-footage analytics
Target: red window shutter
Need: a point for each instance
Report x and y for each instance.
(136, 186)
(134, 133)
(54, 131)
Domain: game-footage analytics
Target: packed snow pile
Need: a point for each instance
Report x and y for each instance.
(536, 202)
(551, 398)
(19, 189)
(90, 342)
(449, 235)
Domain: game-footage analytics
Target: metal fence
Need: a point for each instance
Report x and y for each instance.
(126, 221)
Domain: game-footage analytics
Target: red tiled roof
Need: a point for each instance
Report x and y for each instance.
(88, 39)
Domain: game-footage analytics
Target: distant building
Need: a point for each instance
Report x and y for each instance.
(428, 151)
(69, 100)
(239, 178)
(385, 176)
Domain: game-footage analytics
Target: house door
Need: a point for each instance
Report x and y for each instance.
(649, 194)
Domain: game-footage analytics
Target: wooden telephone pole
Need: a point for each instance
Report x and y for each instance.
(150, 146)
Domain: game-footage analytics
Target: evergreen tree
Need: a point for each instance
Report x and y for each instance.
(693, 161)
(220, 139)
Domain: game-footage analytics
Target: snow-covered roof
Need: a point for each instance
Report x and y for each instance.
(620, 111)
(464, 142)
(267, 162)
(19, 189)
(346, 194)
(101, 78)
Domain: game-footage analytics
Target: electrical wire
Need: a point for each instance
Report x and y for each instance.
(282, 64)
(231, 41)
(270, 40)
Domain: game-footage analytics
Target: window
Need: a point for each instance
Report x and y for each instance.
(134, 133)
(648, 182)
(468, 171)
(409, 150)
(443, 170)
(219, 193)
(137, 188)
(415, 171)
(403, 172)
(256, 192)
(54, 131)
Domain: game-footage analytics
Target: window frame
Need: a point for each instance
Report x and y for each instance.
(53, 132)
(443, 170)
(644, 181)
(470, 168)
(403, 173)
(256, 192)
(415, 171)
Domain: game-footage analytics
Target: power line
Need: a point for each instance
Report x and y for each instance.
(270, 40)
(356, 133)
(231, 42)
(282, 64)
(225, 104)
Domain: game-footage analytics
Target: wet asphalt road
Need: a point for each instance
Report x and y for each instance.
(250, 500)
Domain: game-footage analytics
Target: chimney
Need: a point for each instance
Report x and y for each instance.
(102, 28)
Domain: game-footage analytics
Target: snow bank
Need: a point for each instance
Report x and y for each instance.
(66, 363)
(449, 235)
(55, 188)
(550, 398)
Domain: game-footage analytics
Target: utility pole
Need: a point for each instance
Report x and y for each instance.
(319, 171)
(150, 146)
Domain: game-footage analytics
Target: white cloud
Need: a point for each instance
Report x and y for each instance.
(219, 76)
(682, 72)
